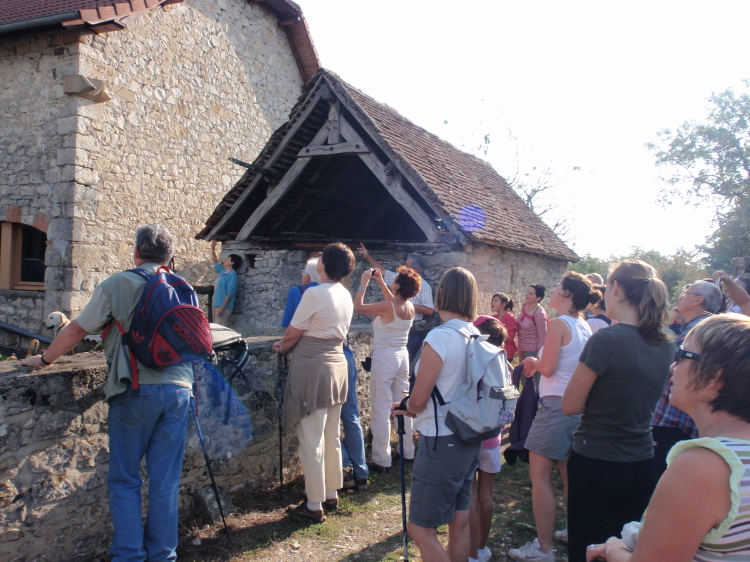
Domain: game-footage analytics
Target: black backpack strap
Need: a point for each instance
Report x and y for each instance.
(603, 317)
(437, 398)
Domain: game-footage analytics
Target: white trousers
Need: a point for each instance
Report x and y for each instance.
(320, 452)
(389, 383)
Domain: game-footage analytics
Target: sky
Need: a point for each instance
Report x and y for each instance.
(576, 88)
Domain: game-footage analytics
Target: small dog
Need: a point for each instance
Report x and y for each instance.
(56, 321)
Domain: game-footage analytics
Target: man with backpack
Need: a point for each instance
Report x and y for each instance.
(148, 406)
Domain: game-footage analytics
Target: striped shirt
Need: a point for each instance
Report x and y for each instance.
(730, 541)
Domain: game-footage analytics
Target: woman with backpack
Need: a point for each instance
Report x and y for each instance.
(389, 374)
(551, 434)
(444, 466)
(620, 377)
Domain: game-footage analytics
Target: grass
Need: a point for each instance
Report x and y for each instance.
(366, 527)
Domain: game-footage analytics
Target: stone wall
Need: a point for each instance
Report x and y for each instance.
(263, 288)
(36, 150)
(191, 85)
(25, 310)
(54, 450)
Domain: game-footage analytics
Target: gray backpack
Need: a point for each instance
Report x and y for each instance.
(486, 401)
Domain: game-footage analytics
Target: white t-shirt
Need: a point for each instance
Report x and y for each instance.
(451, 347)
(422, 298)
(568, 361)
(324, 312)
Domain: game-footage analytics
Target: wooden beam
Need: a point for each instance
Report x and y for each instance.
(6, 255)
(281, 189)
(393, 186)
(332, 149)
(334, 135)
(299, 119)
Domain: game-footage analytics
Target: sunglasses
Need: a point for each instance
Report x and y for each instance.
(680, 353)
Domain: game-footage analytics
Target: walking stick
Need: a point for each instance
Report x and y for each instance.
(208, 464)
(401, 432)
(280, 394)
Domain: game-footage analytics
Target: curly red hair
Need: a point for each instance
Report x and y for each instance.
(409, 282)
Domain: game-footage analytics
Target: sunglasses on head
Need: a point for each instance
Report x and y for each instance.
(680, 353)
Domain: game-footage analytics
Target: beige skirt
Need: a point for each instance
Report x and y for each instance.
(318, 378)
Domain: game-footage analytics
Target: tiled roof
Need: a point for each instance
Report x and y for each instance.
(478, 199)
(91, 10)
(28, 15)
(473, 196)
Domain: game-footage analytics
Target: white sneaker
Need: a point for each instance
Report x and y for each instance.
(562, 536)
(532, 552)
(484, 554)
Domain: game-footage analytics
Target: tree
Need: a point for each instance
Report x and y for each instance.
(710, 163)
(676, 270)
(537, 189)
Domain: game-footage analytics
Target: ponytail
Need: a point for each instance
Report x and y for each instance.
(505, 300)
(644, 290)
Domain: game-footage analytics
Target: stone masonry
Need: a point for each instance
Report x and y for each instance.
(191, 85)
(54, 450)
(263, 288)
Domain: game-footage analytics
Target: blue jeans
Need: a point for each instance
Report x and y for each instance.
(353, 443)
(150, 423)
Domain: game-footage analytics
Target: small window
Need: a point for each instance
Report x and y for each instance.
(22, 251)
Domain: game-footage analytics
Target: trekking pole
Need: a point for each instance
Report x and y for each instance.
(401, 432)
(208, 464)
(280, 394)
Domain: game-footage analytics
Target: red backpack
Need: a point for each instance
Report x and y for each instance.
(168, 327)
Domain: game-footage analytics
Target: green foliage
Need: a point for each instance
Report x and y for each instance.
(709, 163)
(676, 270)
(590, 264)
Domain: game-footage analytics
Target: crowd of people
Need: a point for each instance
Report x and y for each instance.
(644, 413)
(623, 391)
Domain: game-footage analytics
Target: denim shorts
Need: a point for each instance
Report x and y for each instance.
(441, 479)
(551, 433)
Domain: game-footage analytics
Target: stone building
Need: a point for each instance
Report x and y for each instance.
(114, 113)
(346, 167)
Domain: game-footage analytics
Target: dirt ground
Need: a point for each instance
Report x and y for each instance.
(366, 527)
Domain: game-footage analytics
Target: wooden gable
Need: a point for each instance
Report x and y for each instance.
(322, 178)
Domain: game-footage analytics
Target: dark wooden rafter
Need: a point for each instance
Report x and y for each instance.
(333, 149)
(392, 185)
(409, 174)
(279, 191)
(297, 121)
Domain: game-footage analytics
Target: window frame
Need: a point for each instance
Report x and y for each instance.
(11, 238)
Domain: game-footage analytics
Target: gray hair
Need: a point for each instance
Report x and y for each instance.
(312, 270)
(711, 295)
(417, 261)
(155, 243)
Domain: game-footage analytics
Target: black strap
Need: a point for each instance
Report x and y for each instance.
(603, 317)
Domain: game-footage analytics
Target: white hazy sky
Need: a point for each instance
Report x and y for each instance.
(579, 84)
